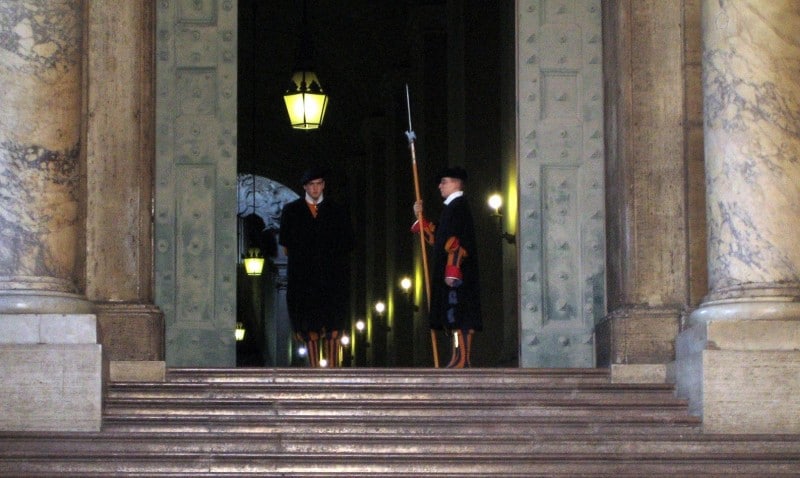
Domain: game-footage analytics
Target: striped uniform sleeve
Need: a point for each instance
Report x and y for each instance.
(427, 229)
(455, 255)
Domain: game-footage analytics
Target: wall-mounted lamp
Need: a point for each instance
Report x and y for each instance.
(253, 262)
(405, 284)
(496, 202)
(360, 325)
(344, 340)
(382, 326)
(380, 308)
(239, 332)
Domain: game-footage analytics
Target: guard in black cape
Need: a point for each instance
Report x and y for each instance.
(317, 237)
(455, 294)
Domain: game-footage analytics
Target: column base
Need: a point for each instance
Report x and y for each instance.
(138, 371)
(740, 375)
(751, 391)
(130, 331)
(641, 373)
(40, 295)
(51, 373)
(38, 302)
(637, 335)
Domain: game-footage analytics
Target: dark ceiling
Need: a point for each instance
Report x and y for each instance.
(358, 45)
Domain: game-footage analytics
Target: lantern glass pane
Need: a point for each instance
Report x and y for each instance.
(254, 265)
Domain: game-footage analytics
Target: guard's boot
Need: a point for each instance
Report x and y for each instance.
(312, 348)
(459, 354)
(454, 350)
(332, 349)
(468, 348)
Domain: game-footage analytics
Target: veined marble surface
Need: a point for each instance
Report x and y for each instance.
(752, 145)
(40, 90)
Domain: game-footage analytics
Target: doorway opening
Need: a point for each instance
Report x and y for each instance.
(453, 64)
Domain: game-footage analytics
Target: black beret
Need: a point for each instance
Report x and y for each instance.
(312, 174)
(452, 172)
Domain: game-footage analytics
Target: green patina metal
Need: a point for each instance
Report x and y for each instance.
(195, 198)
(561, 188)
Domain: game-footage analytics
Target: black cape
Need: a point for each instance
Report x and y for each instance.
(318, 265)
(455, 307)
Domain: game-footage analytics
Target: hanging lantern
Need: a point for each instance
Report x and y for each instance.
(239, 332)
(305, 100)
(306, 103)
(253, 262)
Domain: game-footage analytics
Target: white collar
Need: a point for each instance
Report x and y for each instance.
(452, 196)
(311, 201)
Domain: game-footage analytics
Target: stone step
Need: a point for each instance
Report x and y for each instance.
(294, 391)
(397, 465)
(394, 376)
(398, 393)
(346, 409)
(448, 424)
(38, 445)
(391, 423)
(313, 401)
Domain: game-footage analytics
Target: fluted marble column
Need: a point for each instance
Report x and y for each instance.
(739, 360)
(40, 123)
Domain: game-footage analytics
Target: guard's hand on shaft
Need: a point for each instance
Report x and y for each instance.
(418, 208)
(426, 226)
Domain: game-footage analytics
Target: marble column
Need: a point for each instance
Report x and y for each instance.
(50, 362)
(651, 110)
(739, 360)
(40, 126)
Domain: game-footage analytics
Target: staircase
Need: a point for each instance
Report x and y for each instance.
(393, 423)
